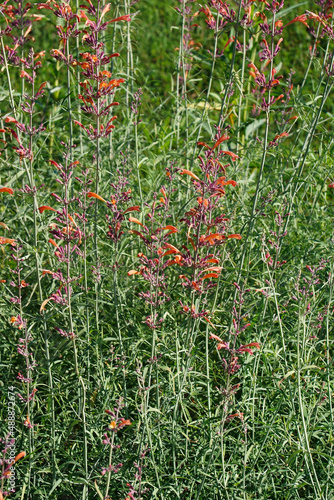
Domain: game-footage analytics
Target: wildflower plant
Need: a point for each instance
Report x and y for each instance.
(166, 270)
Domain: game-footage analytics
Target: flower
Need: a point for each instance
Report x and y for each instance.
(184, 171)
(9, 241)
(246, 348)
(7, 190)
(18, 321)
(221, 344)
(97, 196)
(45, 207)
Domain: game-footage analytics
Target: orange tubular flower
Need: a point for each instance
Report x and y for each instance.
(184, 171)
(233, 156)
(222, 139)
(204, 144)
(7, 190)
(234, 236)
(177, 260)
(221, 344)
(53, 242)
(9, 119)
(171, 248)
(215, 269)
(235, 415)
(136, 221)
(130, 209)
(204, 202)
(46, 207)
(97, 196)
(214, 261)
(210, 275)
(212, 237)
(123, 423)
(222, 181)
(171, 229)
(138, 233)
(5, 241)
(20, 455)
(121, 18)
(253, 344)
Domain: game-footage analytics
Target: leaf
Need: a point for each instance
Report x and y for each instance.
(253, 126)
(57, 483)
(98, 490)
(288, 374)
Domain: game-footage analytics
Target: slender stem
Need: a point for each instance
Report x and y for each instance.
(231, 66)
(137, 163)
(69, 95)
(77, 42)
(12, 105)
(241, 95)
(304, 152)
(71, 325)
(97, 179)
(317, 487)
(109, 464)
(263, 161)
(213, 64)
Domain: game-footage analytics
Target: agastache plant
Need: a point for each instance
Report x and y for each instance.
(66, 33)
(187, 44)
(24, 349)
(17, 321)
(19, 23)
(202, 255)
(24, 135)
(97, 88)
(64, 233)
(116, 218)
(67, 238)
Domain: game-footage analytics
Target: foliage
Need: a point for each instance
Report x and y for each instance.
(166, 250)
